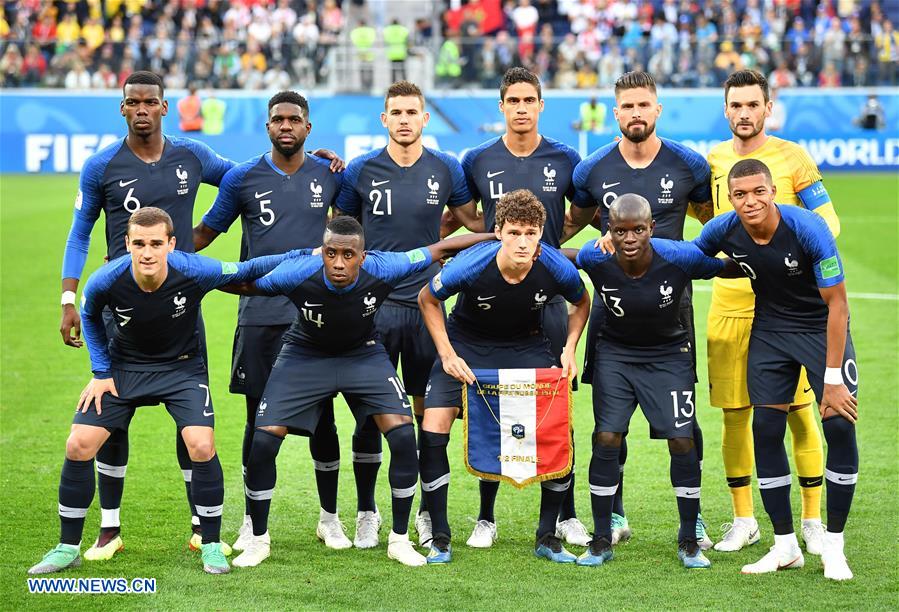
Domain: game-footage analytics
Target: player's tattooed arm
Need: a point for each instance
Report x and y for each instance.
(576, 219)
(836, 399)
(703, 211)
(203, 236)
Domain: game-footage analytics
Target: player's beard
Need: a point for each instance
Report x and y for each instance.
(756, 130)
(290, 151)
(636, 136)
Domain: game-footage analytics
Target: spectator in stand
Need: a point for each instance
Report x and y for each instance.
(611, 65)
(11, 67)
(887, 45)
(833, 44)
(830, 76)
(805, 66)
(105, 78)
(78, 77)
(67, 32)
(778, 117)
(93, 33)
(782, 76)
(586, 77)
(566, 75)
(44, 31)
(797, 36)
(34, 65)
(728, 60)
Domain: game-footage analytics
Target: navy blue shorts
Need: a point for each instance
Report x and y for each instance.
(772, 371)
(597, 317)
(253, 355)
(403, 333)
(184, 391)
(664, 389)
(302, 378)
(444, 391)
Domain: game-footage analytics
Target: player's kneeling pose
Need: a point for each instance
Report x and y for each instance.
(497, 322)
(154, 357)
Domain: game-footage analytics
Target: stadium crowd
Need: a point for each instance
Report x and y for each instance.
(571, 44)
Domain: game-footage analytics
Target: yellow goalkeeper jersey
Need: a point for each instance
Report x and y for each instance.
(798, 182)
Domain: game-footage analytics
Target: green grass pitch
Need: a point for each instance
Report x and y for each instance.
(41, 380)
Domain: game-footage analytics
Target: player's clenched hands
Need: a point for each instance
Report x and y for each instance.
(70, 326)
(605, 245)
(456, 367)
(94, 391)
(838, 398)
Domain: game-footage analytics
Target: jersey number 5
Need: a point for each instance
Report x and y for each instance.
(267, 215)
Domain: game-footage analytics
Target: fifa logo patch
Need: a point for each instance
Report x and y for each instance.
(666, 292)
(316, 190)
(433, 192)
(549, 179)
(518, 431)
(667, 185)
(183, 187)
(792, 265)
(180, 305)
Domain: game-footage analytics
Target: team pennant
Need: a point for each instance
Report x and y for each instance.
(518, 425)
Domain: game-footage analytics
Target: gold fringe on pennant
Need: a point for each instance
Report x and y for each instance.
(502, 478)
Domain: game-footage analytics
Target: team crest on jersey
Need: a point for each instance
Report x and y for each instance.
(433, 192)
(539, 300)
(667, 185)
(792, 265)
(183, 187)
(549, 179)
(262, 406)
(371, 305)
(316, 190)
(666, 292)
(180, 305)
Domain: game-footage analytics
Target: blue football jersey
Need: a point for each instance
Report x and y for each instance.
(786, 273)
(278, 212)
(116, 182)
(401, 208)
(489, 309)
(333, 320)
(641, 314)
(677, 176)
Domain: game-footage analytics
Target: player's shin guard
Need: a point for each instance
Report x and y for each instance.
(403, 474)
(435, 477)
(618, 501)
(604, 474)
(768, 428)
(567, 509)
(112, 463)
(186, 466)
(841, 472)
(737, 452)
(808, 454)
(76, 492)
(366, 463)
(324, 446)
(208, 489)
(261, 477)
(252, 404)
(552, 492)
(685, 478)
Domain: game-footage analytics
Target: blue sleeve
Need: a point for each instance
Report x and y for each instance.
(712, 236)
(93, 299)
(460, 194)
(699, 168)
(813, 234)
(577, 197)
(468, 161)
(337, 177)
(394, 267)
(88, 204)
(570, 284)
(591, 256)
(814, 195)
(288, 275)
(214, 165)
(688, 257)
(348, 200)
(211, 273)
(227, 206)
(463, 269)
(581, 178)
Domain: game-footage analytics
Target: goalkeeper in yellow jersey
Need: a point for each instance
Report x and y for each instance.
(798, 181)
